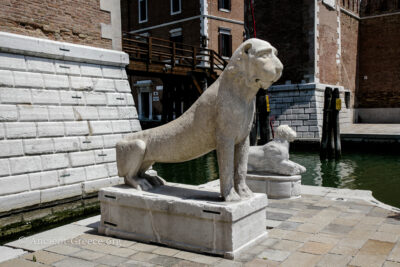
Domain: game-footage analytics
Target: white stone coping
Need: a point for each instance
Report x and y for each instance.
(339, 194)
(20, 44)
(304, 86)
(272, 177)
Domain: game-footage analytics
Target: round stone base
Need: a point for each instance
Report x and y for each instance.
(275, 186)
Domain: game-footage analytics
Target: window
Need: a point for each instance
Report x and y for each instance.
(384, 6)
(225, 42)
(142, 6)
(176, 7)
(224, 4)
(145, 106)
(175, 35)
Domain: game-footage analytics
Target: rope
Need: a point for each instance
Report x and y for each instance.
(254, 20)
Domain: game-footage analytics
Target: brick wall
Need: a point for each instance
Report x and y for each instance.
(190, 32)
(351, 5)
(376, 7)
(287, 25)
(349, 53)
(213, 34)
(236, 12)
(328, 38)
(379, 60)
(59, 121)
(73, 21)
(158, 12)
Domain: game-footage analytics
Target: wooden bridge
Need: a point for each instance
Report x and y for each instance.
(180, 66)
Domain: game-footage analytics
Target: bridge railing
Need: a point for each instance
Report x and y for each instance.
(153, 50)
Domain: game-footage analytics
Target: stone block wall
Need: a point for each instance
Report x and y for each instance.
(301, 107)
(61, 114)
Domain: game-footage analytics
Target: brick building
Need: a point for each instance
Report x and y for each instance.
(349, 44)
(213, 24)
(64, 102)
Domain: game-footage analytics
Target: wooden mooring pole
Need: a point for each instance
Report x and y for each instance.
(261, 126)
(335, 120)
(330, 141)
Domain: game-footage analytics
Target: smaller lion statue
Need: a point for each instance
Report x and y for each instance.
(273, 157)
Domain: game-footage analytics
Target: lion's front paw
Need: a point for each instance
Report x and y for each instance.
(302, 169)
(244, 191)
(232, 196)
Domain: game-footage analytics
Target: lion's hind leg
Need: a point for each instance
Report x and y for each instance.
(130, 155)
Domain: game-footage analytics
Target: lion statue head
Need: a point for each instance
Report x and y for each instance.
(257, 63)
(284, 132)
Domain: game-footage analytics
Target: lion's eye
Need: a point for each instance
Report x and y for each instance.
(266, 55)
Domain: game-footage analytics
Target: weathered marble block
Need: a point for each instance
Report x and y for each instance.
(184, 217)
(275, 185)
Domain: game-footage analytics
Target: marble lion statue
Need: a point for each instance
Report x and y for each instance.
(220, 119)
(273, 157)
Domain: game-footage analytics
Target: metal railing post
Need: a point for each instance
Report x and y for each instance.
(212, 60)
(150, 44)
(173, 54)
(194, 57)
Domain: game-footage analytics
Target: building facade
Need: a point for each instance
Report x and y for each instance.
(345, 44)
(212, 24)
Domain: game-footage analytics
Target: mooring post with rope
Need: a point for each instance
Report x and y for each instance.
(261, 117)
(330, 141)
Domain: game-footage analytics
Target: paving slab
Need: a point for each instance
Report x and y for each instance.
(7, 253)
(69, 262)
(44, 257)
(334, 260)
(92, 222)
(49, 238)
(274, 254)
(314, 230)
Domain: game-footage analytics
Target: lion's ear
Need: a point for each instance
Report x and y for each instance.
(247, 47)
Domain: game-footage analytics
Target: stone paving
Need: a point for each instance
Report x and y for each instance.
(325, 227)
(370, 132)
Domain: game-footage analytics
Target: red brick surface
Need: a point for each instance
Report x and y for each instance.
(73, 21)
(328, 45)
(287, 25)
(379, 62)
(377, 7)
(348, 65)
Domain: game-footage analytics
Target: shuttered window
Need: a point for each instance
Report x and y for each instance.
(224, 4)
(142, 6)
(175, 7)
(225, 42)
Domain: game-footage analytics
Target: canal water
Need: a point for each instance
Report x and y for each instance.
(378, 172)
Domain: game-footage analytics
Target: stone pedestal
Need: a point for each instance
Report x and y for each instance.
(275, 186)
(184, 217)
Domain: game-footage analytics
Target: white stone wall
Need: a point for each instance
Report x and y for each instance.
(301, 107)
(59, 122)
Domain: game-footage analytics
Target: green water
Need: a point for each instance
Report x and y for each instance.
(378, 172)
(197, 171)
